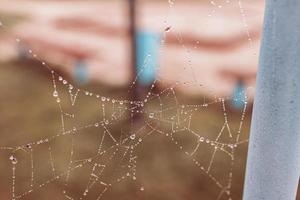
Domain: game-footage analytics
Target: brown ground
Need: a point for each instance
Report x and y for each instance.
(28, 112)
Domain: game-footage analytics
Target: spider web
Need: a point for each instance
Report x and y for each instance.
(126, 143)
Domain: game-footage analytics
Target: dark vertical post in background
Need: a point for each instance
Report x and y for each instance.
(133, 50)
(134, 91)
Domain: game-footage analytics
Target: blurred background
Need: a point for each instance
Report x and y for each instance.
(124, 99)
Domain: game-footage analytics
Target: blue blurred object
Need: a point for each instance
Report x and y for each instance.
(147, 48)
(239, 96)
(81, 72)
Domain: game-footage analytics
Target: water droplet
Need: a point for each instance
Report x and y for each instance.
(142, 188)
(13, 160)
(60, 78)
(55, 93)
(151, 115)
(140, 139)
(58, 100)
(85, 192)
(18, 40)
(103, 98)
(132, 136)
(65, 82)
(201, 139)
(96, 124)
(71, 87)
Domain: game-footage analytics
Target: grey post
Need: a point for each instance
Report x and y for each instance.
(273, 164)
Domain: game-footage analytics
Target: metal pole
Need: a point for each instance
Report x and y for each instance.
(273, 165)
